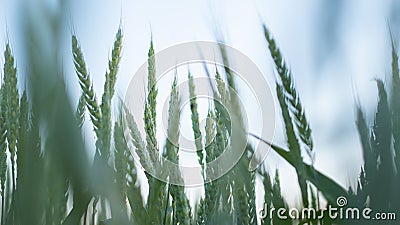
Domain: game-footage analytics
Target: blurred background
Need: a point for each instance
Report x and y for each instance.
(335, 49)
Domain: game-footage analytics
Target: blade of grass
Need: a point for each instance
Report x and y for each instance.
(329, 188)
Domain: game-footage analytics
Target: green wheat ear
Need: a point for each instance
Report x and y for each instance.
(195, 119)
(86, 85)
(151, 85)
(173, 124)
(133, 191)
(207, 205)
(291, 108)
(150, 107)
(109, 85)
(290, 94)
(137, 140)
(12, 106)
(157, 189)
(221, 86)
(180, 202)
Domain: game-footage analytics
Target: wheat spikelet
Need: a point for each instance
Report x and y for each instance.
(157, 189)
(151, 85)
(80, 111)
(150, 105)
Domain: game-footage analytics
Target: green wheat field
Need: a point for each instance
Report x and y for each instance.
(47, 177)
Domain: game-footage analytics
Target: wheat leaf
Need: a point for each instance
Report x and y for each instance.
(395, 104)
(326, 185)
(382, 128)
(381, 145)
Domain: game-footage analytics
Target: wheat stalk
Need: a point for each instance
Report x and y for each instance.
(150, 113)
(395, 105)
(157, 189)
